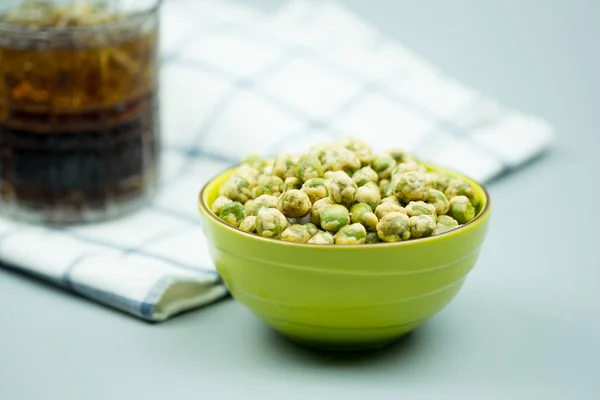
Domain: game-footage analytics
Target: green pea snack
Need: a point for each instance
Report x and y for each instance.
(270, 223)
(341, 192)
(321, 237)
(393, 227)
(461, 209)
(351, 234)
(249, 224)
(295, 233)
(342, 189)
(316, 189)
(362, 213)
(232, 213)
(334, 217)
(445, 223)
(422, 225)
(294, 203)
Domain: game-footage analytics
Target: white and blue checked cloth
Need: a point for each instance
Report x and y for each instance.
(235, 81)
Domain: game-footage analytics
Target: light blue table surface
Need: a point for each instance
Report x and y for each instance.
(525, 326)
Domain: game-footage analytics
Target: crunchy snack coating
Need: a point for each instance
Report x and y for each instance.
(445, 223)
(415, 208)
(438, 181)
(461, 209)
(311, 228)
(294, 203)
(268, 184)
(411, 186)
(218, 204)
(393, 227)
(342, 189)
(248, 173)
(385, 188)
(285, 165)
(309, 166)
(407, 167)
(439, 201)
(270, 223)
(263, 201)
(362, 213)
(316, 189)
(334, 217)
(364, 176)
(322, 237)
(369, 194)
(295, 233)
(372, 237)
(388, 207)
(236, 188)
(249, 224)
(340, 159)
(291, 183)
(421, 225)
(390, 199)
(459, 187)
(232, 213)
(383, 164)
(317, 209)
(351, 234)
(359, 147)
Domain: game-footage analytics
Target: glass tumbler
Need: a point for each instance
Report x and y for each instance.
(79, 128)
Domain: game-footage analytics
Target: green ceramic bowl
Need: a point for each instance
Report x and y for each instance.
(343, 297)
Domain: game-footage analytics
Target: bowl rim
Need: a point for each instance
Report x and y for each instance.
(483, 214)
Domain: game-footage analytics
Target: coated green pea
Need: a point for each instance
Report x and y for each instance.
(411, 186)
(311, 228)
(364, 176)
(285, 165)
(461, 209)
(351, 234)
(249, 224)
(236, 188)
(368, 194)
(362, 213)
(270, 223)
(309, 167)
(218, 204)
(232, 213)
(439, 201)
(321, 237)
(291, 183)
(393, 227)
(372, 237)
(383, 164)
(459, 187)
(294, 203)
(342, 189)
(334, 217)
(422, 225)
(445, 223)
(295, 233)
(388, 207)
(317, 209)
(268, 184)
(419, 208)
(315, 189)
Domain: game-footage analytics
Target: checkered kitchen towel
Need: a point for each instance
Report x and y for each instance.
(235, 81)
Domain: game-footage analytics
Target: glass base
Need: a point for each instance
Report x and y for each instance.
(56, 216)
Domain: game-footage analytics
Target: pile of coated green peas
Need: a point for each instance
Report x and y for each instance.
(342, 193)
